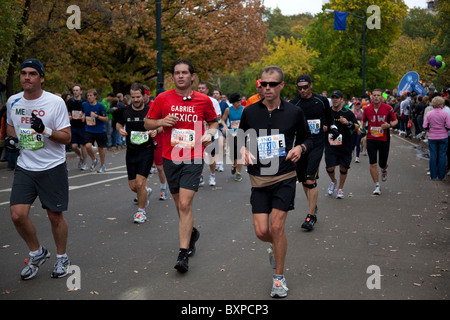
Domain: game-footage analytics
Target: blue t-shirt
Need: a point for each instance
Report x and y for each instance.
(94, 125)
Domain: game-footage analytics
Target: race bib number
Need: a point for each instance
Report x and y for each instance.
(376, 131)
(336, 142)
(272, 146)
(182, 138)
(139, 137)
(314, 126)
(90, 121)
(30, 139)
(77, 115)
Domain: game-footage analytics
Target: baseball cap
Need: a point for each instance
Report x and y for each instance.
(35, 64)
(304, 78)
(337, 93)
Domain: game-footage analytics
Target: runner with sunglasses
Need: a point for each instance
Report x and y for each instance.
(318, 115)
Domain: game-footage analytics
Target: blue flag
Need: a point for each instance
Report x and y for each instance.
(340, 20)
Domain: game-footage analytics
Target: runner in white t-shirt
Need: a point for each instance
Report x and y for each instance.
(38, 125)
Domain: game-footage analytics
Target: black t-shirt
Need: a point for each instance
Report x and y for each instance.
(317, 112)
(344, 130)
(288, 120)
(133, 121)
(75, 109)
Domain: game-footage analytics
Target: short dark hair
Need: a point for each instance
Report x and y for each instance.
(137, 87)
(183, 61)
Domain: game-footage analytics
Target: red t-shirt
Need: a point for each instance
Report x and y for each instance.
(183, 141)
(375, 119)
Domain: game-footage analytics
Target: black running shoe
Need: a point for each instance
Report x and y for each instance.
(182, 262)
(309, 221)
(194, 237)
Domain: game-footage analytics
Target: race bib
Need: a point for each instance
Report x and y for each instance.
(139, 137)
(77, 115)
(336, 142)
(182, 138)
(271, 146)
(90, 121)
(314, 126)
(30, 139)
(376, 131)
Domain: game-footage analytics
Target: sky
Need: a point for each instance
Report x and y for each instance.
(290, 7)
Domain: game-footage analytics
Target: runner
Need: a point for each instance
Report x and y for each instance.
(379, 117)
(281, 126)
(96, 119)
(139, 155)
(181, 111)
(203, 88)
(233, 114)
(77, 118)
(338, 149)
(318, 114)
(39, 123)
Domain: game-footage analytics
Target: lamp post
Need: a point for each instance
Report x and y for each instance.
(364, 19)
(160, 75)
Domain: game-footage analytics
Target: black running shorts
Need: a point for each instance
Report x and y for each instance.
(139, 162)
(308, 166)
(52, 187)
(337, 156)
(183, 175)
(279, 196)
(380, 147)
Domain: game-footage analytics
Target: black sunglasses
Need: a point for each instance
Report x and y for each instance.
(306, 86)
(264, 84)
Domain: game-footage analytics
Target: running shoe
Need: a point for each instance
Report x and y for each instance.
(93, 165)
(182, 264)
(101, 169)
(233, 170)
(310, 221)
(377, 190)
(80, 163)
(140, 217)
(272, 261)
(383, 175)
(84, 167)
(61, 267)
(33, 264)
(212, 180)
(340, 194)
(194, 237)
(238, 177)
(163, 195)
(357, 159)
(279, 288)
(331, 188)
(202, 181)
(219, 167)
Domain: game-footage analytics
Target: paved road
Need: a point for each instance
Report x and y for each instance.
(405, 232)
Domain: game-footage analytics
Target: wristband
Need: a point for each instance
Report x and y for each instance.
(47, 132)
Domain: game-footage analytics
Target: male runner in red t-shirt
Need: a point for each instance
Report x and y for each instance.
(379, 117)
(181, 111)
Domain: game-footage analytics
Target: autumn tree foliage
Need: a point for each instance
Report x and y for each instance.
(116, 42)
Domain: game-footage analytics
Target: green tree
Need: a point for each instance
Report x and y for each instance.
(339, 63)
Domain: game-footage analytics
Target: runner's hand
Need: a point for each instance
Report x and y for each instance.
(334, 132)
(11, 144)
(246, 156)
(37, 124)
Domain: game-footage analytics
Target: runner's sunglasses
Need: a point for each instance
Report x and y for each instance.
(273, 84)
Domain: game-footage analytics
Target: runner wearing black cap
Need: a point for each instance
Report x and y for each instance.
(338, 149)
(318, 114)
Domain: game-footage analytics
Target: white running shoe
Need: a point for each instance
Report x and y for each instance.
(340, 194)
(140, 217)
(331, 188)
(383, 175)
(212, 180)
(377, 190)
(279, 288)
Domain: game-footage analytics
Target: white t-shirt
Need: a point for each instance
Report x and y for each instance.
(37, 152)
